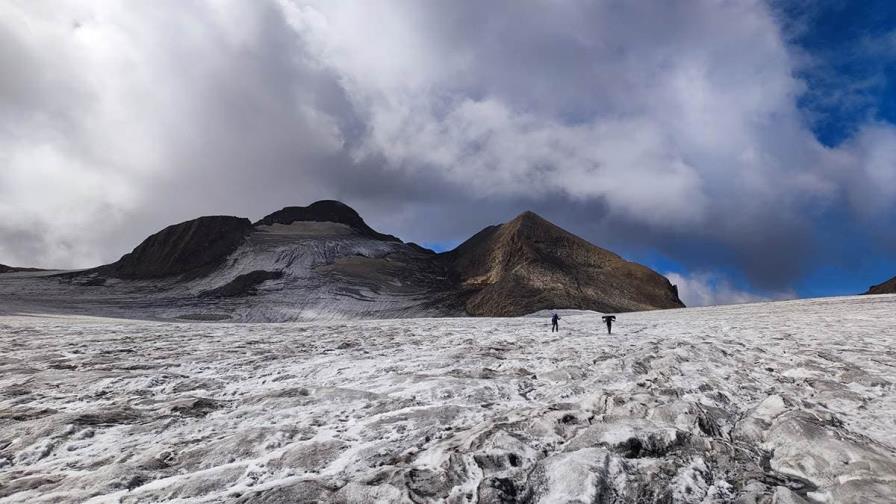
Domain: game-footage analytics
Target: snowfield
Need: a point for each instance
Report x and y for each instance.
(785, 402)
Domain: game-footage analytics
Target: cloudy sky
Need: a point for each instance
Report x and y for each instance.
(745, 148)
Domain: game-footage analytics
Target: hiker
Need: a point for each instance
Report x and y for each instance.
(555, 326)
(609, 320)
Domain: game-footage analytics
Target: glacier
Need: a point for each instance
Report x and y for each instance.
(784, 402)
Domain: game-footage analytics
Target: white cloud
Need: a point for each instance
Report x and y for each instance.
(679, 116)
(711, 289)
(674, 119)
(114, 113)
(868, 165)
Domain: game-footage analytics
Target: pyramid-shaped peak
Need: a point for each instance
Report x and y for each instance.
(529, 264)
(528, 215)
(530, 222)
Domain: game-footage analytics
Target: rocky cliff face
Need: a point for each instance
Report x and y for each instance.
(888, 287)
(529, 264)
(194, 247)
(324, 211)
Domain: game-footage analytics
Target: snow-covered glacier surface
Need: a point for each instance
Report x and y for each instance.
(783, 402)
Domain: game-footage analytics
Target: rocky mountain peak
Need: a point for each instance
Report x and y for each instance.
(529, 215)
(193, 247)
(888, 287)
(529, 264)
(324, 211)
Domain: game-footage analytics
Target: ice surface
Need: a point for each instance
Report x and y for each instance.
(777, 402)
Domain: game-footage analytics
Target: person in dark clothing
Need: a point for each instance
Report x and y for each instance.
(555, 326)
(609, 320)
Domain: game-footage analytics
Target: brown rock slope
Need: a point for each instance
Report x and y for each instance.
(529, 264)
(888, 287)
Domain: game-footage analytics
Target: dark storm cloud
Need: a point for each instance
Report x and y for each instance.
(671, 127)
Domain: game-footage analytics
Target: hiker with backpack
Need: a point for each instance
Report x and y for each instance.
(609, 319)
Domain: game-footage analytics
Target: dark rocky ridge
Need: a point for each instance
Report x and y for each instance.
(324, 211)
(529, 264)
(888, 287)
(12, 269)
(193, 247)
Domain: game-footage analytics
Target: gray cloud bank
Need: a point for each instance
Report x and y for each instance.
(670, 125)
(711, 289)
